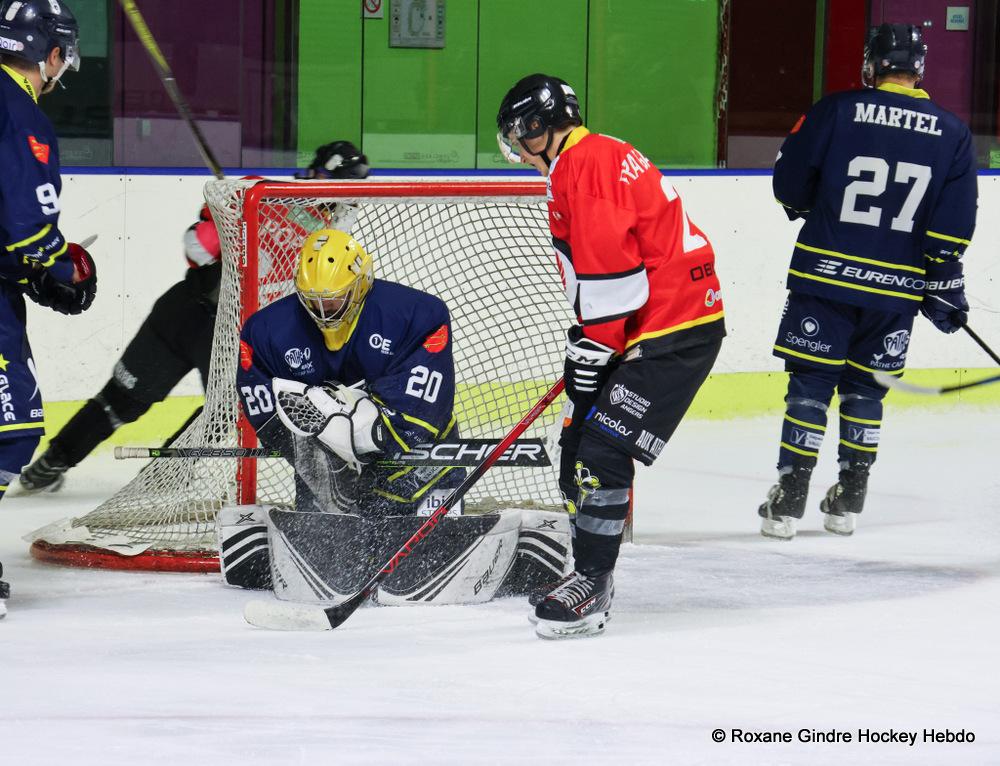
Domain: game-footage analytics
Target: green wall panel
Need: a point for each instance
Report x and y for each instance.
(644, 71)
(420, 103)
(652, 77)
(329, 76)
(511, 46)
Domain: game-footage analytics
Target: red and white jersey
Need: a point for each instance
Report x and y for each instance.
(633, 265)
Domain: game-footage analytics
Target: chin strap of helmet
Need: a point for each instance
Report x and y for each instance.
(49, 83)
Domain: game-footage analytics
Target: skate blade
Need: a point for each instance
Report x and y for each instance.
(533, 618)
(276, 615)
(781, 528)
(551, 630)
(838, 525)
(53, 487)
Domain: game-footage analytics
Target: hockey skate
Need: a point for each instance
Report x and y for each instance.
(845, 500)
(538, 595)
(785, 504)
(4, 594)
(577, 607)
(46, 474)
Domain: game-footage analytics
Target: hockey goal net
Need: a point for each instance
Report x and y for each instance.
(482, 247)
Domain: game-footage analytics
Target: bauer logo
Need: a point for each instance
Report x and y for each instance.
(11, 45)
(297, 357)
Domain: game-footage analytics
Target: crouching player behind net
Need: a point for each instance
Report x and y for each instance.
(335, 376)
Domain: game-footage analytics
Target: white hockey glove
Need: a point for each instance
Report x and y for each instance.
(344, 420)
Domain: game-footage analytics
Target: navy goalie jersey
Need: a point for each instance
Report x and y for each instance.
(400, 348)
(884, 179)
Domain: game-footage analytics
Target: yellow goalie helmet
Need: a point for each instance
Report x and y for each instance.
(334, 277)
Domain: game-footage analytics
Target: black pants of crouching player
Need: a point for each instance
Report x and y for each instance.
(633, 418)
(174, 339)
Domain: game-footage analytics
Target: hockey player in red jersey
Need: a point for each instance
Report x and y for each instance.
(641, 279)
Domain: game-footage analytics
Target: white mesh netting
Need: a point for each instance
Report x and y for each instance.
(488, 257)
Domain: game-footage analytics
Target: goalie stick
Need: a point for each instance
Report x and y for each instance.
(525, 453)
(278, 615)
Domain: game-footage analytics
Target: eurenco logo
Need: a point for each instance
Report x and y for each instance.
(614, 425)
(827, 266)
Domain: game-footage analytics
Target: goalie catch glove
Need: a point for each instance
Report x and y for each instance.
(66, 298)
(342, 419)
(587, 366)
(944, 297)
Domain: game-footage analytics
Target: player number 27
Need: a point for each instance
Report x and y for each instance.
(424, 383)
(876, 186)
(258, 399)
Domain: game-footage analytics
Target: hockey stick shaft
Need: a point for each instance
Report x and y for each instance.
(889, 381)
(981, 343)
(316, 618)
(337, 614)
(456, 453)
(169, 83)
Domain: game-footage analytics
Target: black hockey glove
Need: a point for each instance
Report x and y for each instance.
(587, 366)
(944, 297)
(66, 298)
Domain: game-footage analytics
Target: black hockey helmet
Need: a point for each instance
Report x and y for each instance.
(535, 104)
(30, 29)
(339, 160)
(893, 48)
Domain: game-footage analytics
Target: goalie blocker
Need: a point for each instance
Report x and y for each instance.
(322, 558)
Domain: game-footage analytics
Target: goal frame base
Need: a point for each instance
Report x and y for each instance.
(91, 557)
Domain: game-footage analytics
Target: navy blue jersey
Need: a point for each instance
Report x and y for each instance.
(29, 185)
(884, 179)
(400, 348)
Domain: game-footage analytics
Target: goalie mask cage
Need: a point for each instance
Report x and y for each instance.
(483, 247)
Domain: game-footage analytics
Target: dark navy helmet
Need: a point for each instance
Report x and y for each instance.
(339, 160)
(30, 29)
(893, 48)
(535, 104)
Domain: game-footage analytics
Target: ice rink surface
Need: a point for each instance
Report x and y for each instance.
(896, 628)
